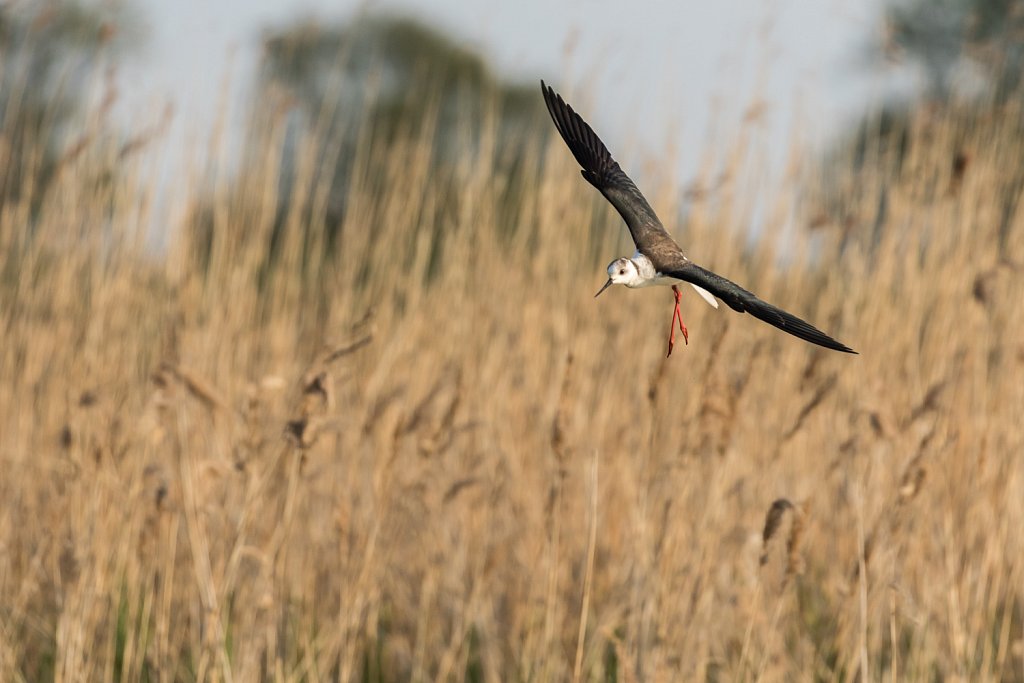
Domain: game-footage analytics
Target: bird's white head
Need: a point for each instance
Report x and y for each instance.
(622, 271)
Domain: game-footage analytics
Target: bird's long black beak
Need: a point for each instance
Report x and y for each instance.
(606, 286)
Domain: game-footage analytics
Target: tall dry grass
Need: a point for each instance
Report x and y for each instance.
(243, 468)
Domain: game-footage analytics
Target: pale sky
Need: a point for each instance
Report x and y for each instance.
(641, 72)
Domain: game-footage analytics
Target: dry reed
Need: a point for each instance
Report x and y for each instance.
(215, 467)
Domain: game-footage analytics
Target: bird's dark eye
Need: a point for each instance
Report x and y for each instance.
(622, 271)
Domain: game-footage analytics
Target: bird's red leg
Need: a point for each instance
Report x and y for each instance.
(679, 317)
(676, 315)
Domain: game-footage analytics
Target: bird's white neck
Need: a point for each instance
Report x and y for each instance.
(648, 274)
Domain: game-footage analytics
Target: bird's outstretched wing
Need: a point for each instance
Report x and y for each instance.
(739, 299)
(604, 173)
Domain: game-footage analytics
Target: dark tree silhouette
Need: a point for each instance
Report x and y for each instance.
(49, 55)
(377, 84)
(983, 38)
(971, 53)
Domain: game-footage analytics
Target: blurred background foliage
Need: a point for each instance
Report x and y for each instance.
(975, 46)
(52, 56)
(327, 95)
(967, 59)
(329, 98)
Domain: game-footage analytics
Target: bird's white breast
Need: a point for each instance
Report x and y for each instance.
(650, 277)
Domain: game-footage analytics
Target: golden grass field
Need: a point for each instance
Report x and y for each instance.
(298, 469)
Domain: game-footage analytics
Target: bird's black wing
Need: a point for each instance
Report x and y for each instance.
(739, 299)
(604, 173)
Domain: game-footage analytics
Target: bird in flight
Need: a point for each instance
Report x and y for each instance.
(658, 260)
